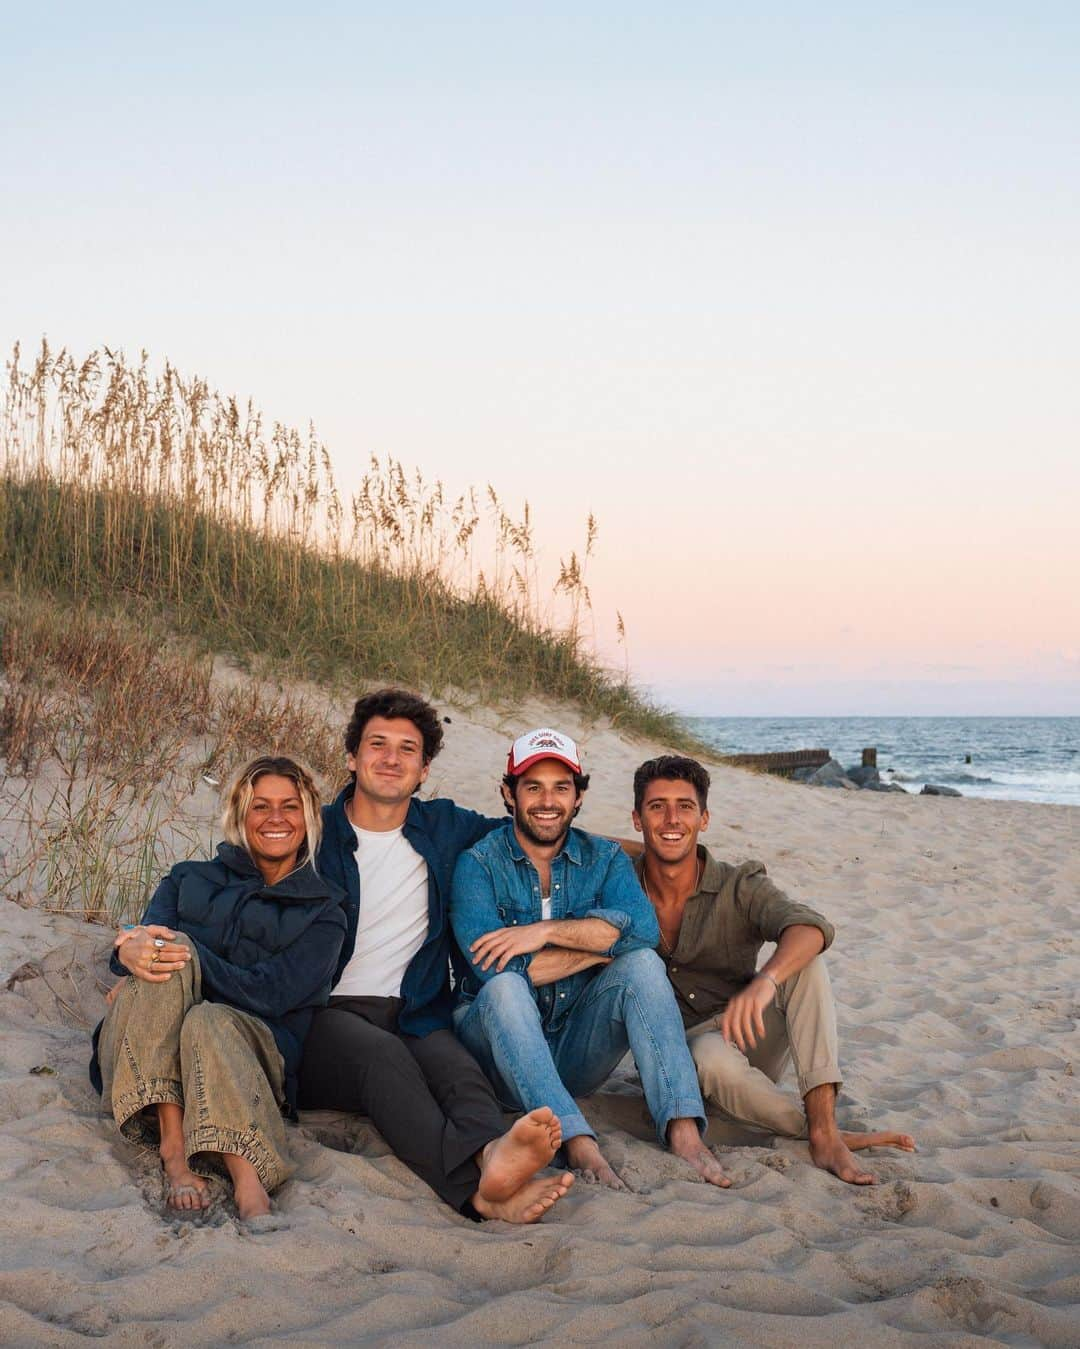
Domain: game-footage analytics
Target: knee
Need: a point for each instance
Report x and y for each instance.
(640, 967)
(813, 977)
(206, 1021)
(505, 995)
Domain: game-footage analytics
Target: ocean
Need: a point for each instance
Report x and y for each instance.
(1007, 758)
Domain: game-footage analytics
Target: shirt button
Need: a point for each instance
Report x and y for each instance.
(563, 995)
(689, 995)
(674, 969)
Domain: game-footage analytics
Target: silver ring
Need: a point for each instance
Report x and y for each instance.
(159, 942)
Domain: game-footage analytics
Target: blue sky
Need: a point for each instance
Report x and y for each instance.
(788, 298)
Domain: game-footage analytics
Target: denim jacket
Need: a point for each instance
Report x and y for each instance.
(495, 885)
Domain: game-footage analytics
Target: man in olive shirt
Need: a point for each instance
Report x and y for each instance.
(744, 1023)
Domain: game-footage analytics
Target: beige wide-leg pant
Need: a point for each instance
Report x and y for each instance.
(160, 1043)
(800, 1024)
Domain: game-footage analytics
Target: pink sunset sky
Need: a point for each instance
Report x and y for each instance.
(788, 299)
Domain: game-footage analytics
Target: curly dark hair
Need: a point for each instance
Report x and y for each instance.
(672, 768)
(393, 703)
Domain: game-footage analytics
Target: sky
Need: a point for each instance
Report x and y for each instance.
(786, 295)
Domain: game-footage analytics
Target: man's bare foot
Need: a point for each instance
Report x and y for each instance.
(184, 1190)
(250, 1197)
(857, 1142)
(508, 1161)
(530, 1203)
(829, 1151)
(583, 1154)
(685, 1141)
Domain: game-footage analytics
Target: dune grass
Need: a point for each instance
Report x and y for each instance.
(120, 485)
(115, 739)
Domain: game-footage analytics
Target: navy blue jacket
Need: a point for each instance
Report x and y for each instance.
(270, 950)
(440, 832)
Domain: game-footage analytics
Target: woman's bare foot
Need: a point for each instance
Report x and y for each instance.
(829, 1152)
(184, 1190)
(508, 1161)
(685, 1141)
(530, 1203)
(251, 1198)
(583, 1154)
(857, 1142)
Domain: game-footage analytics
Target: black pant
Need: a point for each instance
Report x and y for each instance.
(426, 1095)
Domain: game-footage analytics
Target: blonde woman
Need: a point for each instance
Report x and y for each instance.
(199, 1051)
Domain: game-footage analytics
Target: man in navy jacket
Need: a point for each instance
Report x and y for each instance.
(384, 1046)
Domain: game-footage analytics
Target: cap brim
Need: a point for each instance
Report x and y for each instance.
(525, 764)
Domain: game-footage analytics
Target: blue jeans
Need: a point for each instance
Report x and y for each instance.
(628, 1004)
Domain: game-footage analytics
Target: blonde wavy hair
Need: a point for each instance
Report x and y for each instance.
(242, 789)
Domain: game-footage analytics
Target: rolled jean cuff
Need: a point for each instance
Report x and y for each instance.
(249, 1145)
(127, 1109)
(818, 1077)
(574, 1125)
(681, 1108)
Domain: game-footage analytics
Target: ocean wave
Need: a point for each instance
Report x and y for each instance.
(945, 777)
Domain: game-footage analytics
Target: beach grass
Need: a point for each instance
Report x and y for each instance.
(118, 484)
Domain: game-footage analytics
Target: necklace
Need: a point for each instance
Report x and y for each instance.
(667, 948)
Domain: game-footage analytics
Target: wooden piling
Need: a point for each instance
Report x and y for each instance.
(869, 757)
(782, 764)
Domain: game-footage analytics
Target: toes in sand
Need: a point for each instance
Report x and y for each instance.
(831, 1154)
(856, 1142)
(184, 1190)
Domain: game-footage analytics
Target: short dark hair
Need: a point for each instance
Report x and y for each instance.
(581, 786)
(672, 768)
(393, 703)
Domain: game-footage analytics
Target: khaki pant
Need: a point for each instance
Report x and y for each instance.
(160, 1043)
(800, 1024)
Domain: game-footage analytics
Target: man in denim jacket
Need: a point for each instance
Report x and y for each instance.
(562, 976)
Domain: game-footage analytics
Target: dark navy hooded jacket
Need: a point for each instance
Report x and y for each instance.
(440, 832)
(270, 950)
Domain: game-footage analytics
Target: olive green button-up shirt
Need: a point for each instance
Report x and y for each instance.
(735, 911)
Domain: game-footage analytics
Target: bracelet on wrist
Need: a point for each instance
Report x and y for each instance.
(764, 974)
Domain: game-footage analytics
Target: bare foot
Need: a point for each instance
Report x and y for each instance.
(583, 1154)
(857, 1142)
(184, 1190)
(508, 1161)
(530, 1203)
(830, 1153)
(251, 1198)
(685, 1141)
(252, 1201)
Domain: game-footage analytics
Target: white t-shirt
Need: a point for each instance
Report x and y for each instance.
(393, 915)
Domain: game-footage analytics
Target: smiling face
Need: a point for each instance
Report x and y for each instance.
(389, 761)
(670, 820)
(274, 824)
(544, 802)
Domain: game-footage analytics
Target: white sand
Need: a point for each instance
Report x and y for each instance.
(956, 971)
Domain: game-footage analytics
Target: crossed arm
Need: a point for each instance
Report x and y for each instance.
(559, 947)
(621, 920)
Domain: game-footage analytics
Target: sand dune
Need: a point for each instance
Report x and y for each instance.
(956, 972)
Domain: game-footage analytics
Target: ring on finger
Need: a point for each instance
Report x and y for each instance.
(159, 942)
(155, 957)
